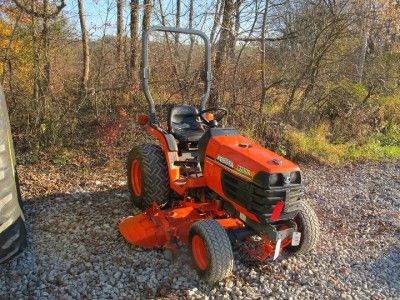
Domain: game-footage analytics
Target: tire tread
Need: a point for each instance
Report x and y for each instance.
(311, 230)
(155, 179)
(218, 248)
(12, 240)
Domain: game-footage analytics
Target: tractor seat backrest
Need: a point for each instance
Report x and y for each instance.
(183, 117)
(183, 123)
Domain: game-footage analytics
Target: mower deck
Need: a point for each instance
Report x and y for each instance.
(169, 228)
(156, 228)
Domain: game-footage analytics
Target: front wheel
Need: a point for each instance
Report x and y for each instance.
(308, 225)
(211, 250)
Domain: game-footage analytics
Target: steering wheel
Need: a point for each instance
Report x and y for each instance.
(219, 114)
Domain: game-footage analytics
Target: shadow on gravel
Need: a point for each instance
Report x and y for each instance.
(386, 270)
(75, 249)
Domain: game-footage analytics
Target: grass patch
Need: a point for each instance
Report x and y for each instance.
(315, 145)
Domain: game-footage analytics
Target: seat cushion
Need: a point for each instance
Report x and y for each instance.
(188, 135)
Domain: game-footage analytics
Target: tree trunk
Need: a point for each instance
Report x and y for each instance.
(189, 60)
(35, 58)
(362, 56)
(147, 9)
(226, 31)
(263, 58)
(191, 11)
(46, 63)
(237, 16)
(190, 54)
(364, 42)
(221, 53)
(172, 55)
(177, 19)
(233, 35)
(242, 48)
(85, 50)
(217, 19)
(134, 26)
(120, 29)
(41, 72)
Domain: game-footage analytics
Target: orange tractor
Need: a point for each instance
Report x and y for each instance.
(209, 187)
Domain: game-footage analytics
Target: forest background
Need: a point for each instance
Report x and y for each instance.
(311, 79)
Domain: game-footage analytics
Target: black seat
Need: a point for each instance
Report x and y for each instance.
(183, 123)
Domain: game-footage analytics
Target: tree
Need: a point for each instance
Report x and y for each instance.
(134, 27)
(364, 34)
(226, 32)
(263, 57)
(32, 10)
(85, 51)
(177, 19)
(120, 30)
(222, 50)
(42, 73)
(234, 34)
(378, 24)
(147, 9)
(46, 41)
(217, 19)
(41, 47)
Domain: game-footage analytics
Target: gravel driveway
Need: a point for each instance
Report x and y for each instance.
(75, 250)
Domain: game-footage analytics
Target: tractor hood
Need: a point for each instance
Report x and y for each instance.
(243, 156)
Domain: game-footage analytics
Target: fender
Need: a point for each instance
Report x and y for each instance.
(169, 148)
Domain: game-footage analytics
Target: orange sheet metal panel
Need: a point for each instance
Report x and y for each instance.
(244, 153)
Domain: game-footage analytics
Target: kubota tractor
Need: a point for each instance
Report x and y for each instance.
(209, 187)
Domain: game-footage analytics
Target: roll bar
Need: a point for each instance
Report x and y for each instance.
(145, 75)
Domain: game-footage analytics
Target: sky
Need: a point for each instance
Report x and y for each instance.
(100, 12)
(97, 13)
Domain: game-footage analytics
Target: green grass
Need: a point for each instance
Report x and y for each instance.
(372, 151)
(315, 145)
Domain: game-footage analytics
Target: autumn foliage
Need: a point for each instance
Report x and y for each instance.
(307, 78)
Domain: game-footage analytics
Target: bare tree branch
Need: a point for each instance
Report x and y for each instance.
(33, 12)
(259, 40)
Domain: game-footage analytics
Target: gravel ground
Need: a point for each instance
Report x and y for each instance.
(75, 250)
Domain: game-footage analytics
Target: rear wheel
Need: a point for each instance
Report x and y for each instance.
(147, 173)
(211, 250)
(13, 240)
(12, 222)
(308, 226)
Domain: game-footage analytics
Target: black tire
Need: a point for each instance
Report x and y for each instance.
(218, 249)
(13, 240)
(12, 223)
(308, 225)
(154, 176)
(21, 204)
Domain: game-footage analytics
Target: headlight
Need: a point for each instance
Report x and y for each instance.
(295, 177)
(273, 179)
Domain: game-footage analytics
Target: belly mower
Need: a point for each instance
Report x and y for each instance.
(208, 187)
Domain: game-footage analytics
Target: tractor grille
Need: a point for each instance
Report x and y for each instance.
(258, 201)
